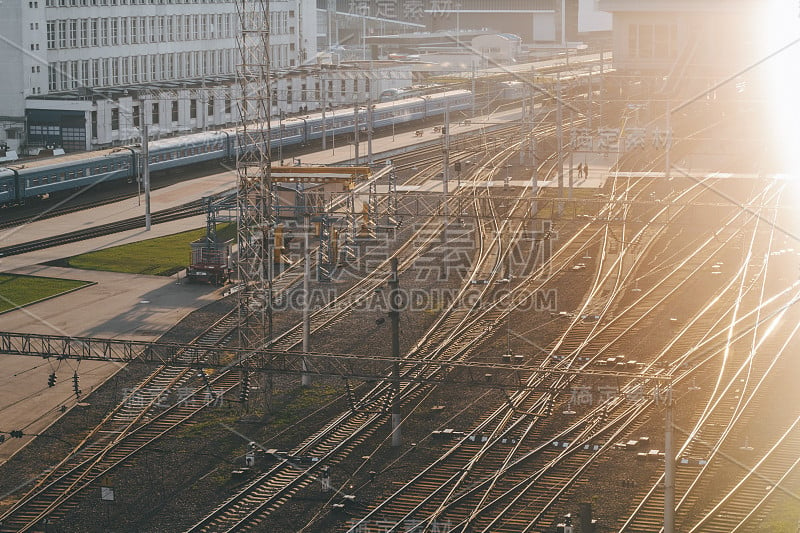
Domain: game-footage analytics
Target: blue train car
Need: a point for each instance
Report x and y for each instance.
(40, 178)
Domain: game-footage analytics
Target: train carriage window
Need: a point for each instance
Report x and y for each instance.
(35, 181)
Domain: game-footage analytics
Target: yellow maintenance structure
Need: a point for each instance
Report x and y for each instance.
(344, 177)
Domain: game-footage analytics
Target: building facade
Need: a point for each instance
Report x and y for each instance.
(69, 62)
(693, 38)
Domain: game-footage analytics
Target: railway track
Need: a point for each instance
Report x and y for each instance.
(197, 207)
(272, 488)
(430, 489)
(137, 422)
(738, 380)
(470, 454)
(247, 509)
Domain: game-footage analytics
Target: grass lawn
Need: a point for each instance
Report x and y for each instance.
(162, 256)
(17, 291)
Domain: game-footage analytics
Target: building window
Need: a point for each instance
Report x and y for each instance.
(104, 32)
(73, 74)
(62, 33)
(135, 113)
(175, 111)
(211, 106)
(114, 119)
(85, 73)
(94, 124)
(114, 32)
(64, 78)
(84, 32)
(52, 77)
(51, 35)
(192, 108)
(154, 113)
(645, 40)
(94, 32)
(126, 70)
(123, 30)
(134, 30)
(73, 33)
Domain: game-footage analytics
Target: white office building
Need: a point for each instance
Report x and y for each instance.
(74, 70)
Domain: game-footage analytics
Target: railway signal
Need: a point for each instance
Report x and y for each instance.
(244, 393)
(75, 386)
(51, 380)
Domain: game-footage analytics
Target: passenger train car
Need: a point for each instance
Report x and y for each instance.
(39, 178)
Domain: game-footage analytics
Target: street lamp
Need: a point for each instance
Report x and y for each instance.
(364, 33)
(355, 127)
(138, 169)
(281, 116)
(333, 131)
(458, 26)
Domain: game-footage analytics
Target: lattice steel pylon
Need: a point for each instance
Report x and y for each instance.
(255, 190)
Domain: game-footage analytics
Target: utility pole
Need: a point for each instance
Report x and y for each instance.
(146, 171)
(355, 129)
(394, 316)
(669, 468)
(571, 151)
(600, 91)
(254, 196)
(369, 130)
(446, 162)
(331, 11)
(667, 162)
(324, 84)
(473, 90)
(305, 379)
(590, 99)
(560, 141)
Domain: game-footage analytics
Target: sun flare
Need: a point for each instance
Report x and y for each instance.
(781, 31)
